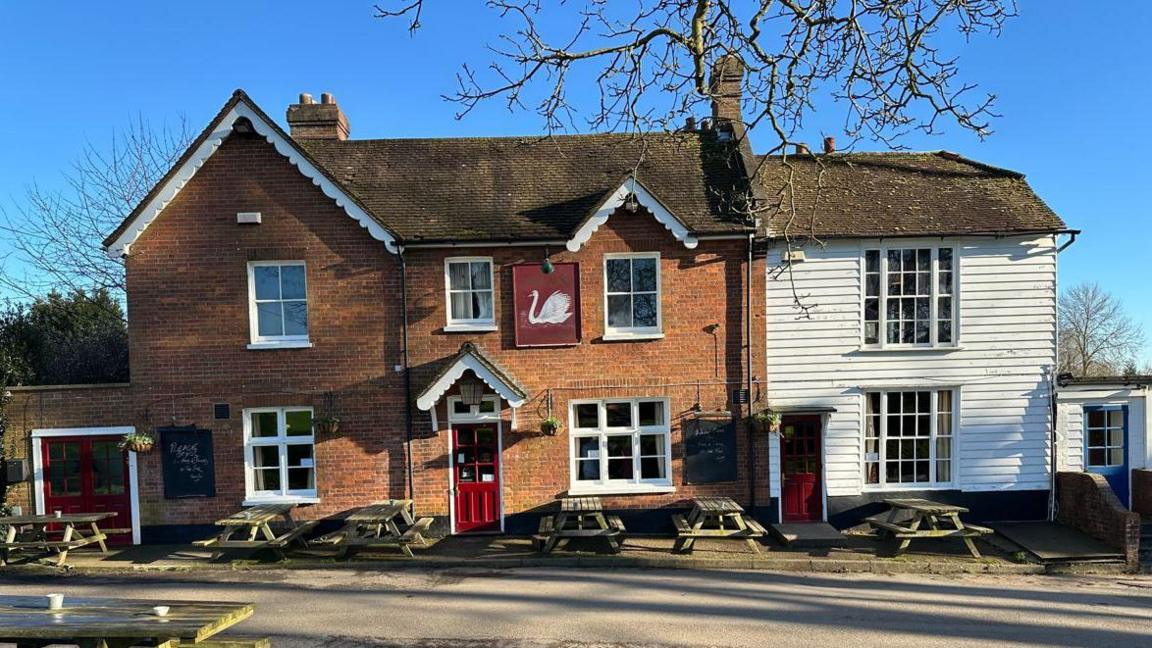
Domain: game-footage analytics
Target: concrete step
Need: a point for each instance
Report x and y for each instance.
(807, 535)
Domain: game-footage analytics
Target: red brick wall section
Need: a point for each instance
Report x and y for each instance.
(38, 408)
(1142, 491)
(1087, 503)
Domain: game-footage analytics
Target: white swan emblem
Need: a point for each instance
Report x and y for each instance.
(554, 311)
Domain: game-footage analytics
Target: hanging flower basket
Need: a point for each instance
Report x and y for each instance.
(326, 426)
(138, 442)
(766, 421)
(550, 426)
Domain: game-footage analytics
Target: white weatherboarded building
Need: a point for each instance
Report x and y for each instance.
(920, 362)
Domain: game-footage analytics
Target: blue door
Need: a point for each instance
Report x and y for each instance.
(1106, 446)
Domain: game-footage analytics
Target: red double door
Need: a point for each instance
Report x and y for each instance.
(801, 459)
(476, 472)
(88, 474)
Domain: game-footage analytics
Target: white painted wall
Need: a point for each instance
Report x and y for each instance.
(1003, 368)
(1070, 422)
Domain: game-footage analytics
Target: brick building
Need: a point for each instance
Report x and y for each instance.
(328, 321)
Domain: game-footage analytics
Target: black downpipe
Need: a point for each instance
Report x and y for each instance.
(748, 363)
(407, 375)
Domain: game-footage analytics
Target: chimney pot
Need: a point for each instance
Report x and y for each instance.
(829, 145)
(309, 120)
(690, 124)
(801, 149)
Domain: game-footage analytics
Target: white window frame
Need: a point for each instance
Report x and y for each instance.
(275, 341)
(474, 415)
(281, 440)
(933, 483)
(602, 432)
(933, 342)
(466, 325)
(634, 332)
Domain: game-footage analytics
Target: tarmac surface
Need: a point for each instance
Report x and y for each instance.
(591, 608)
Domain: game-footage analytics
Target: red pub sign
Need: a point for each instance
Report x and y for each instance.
(547, 305)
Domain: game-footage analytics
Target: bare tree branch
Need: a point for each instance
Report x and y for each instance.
(1097, 336)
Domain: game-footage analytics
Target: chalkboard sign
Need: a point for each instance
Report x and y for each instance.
(709, 450)
(186, 455)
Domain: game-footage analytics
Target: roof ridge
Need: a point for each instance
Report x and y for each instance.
(528, 138)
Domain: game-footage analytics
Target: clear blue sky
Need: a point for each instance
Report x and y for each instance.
(1073, 81)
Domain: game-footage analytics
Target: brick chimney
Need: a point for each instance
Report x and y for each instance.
(725, 85)
(310, 120)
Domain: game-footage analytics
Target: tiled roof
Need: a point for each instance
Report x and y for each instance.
(900, 194)
(506, 188)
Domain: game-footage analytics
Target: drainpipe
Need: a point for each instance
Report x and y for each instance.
(748, 363)
(407, 373)
(1054, 391)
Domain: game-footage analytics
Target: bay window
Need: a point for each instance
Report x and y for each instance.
(910, 297)
(620, 444)
(279, 451)
(908, 438)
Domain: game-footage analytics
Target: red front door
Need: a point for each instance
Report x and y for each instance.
(88, 474)
(800, 461)
(476, 468)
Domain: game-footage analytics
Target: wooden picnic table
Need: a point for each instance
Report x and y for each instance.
(579, 517)
(376, 525)
(115, 623)
(905, 518)
(718, 518)
(30, 533)
(251, 529)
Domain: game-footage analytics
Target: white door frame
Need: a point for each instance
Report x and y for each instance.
(824, 416)
(474, 417)
(38, 467)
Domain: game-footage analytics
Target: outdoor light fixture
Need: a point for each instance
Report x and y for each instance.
(471, 392)
(547, 267)
(631, 204)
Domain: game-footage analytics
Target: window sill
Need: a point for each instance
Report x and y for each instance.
(910, 349)
(904, 488)
(287, 499)
(630, 337)
(621, 489)
(292, 344)
(469, 328)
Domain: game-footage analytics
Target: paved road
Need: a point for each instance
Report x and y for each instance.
(552, 608)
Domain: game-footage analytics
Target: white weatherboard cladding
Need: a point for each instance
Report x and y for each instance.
(1002, 365)
(1070, 422)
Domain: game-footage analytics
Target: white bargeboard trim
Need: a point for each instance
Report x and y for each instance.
(38, 467)
(437, 389)
(220, 130)
(616, 199)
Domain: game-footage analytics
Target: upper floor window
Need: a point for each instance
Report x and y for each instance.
(910, 297)
(632, 295)
(468, 282)
(279, 453)
(278, 302)
(908, 437)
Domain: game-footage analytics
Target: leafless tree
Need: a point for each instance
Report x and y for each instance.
(1097, 336)
(55, 234)
(651, 58)
(881, 61)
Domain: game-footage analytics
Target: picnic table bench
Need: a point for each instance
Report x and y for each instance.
(717, 518)
(251, 529)
(579, 517)
(28, 533)
(375, 526)
(119, 623)
(905, 518)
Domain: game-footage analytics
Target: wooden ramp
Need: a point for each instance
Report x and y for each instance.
(1052, 542)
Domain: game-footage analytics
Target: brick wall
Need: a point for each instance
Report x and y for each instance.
(1142, 491)
(1087, 503)
(38, 408)
(189, 331)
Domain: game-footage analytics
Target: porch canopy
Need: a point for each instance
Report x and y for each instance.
(470, 358)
